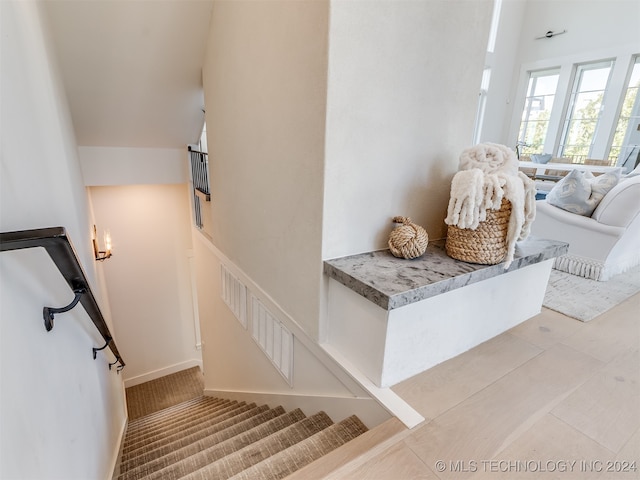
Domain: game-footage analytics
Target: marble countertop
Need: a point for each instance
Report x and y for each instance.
(392, 282)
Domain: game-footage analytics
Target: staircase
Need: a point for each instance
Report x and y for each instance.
(211, 438)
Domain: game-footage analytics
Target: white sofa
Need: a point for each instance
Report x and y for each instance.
(600, 246)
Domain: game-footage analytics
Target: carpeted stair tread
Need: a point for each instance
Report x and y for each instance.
(265, 448)
(164, 449)
(175, 419)
(172, 430)
(217, 450)
(195, 409)
(163, 392)
(177, 425)
(208, 438)
(140, 422)
(200, 445)
(227, 414)
(287, 461)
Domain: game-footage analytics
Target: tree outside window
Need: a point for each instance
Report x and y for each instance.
(534, 124)
(585, 108)
(626, 137)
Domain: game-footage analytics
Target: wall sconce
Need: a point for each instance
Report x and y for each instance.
(102, 255)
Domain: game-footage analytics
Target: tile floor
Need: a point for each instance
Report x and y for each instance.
(552, 398)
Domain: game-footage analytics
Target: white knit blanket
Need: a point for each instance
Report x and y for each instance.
(488, 173)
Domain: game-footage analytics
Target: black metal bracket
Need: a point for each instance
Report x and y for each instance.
(49, 312)
(96, 350)
(118, 360)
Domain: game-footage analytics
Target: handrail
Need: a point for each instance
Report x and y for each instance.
(59, 247)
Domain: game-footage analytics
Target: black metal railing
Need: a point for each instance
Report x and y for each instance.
(200, 172)
(59, 247)
(200, 180)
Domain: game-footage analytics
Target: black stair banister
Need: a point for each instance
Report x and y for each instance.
(59, 247)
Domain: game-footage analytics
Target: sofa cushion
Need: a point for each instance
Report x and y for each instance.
(580, 192)
(621, 205)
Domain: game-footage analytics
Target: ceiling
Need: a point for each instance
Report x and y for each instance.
(132, 69)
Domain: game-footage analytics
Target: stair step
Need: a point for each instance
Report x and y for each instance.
(265, 448)
(304, 452)
(226, 414)
(353, 453)
(219, 449)
(188, 439)
(172, 417)
(177, 425)
(141, 421)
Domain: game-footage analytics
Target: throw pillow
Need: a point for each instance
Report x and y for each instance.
(634, 173)
(580, 192)
(540, 157)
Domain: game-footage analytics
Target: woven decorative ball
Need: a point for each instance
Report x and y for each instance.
(487, 244)
(408, 240)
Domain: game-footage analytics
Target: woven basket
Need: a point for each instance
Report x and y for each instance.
(487, 244)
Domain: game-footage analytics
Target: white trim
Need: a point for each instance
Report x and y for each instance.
(346, 373)
(147, 377)
(194, 299)
(273, 338)
(117, 455)
(385, 396)
(567, 64)
(311, 345)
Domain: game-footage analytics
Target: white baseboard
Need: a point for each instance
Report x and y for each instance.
(115, 466)
(338, 408)
(146, 377)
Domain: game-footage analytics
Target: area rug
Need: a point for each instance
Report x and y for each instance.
(585, 299)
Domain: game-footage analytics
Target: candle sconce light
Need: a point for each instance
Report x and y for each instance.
(102, 255)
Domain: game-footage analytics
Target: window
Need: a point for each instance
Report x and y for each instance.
(626, 139)
(541, 92)
(585, 106)
(482, 103)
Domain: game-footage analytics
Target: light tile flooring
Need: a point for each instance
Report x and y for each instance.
(550, 398)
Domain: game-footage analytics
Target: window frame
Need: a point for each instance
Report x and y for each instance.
(535, 74)
(572, 95)
(624, 56)
(634, 114)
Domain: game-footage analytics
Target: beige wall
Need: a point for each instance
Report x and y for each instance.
(265, 90)
(148, 277)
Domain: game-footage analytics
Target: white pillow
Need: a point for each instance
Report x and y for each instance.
(580, 192)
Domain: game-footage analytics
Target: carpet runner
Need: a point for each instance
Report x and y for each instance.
(210, 438)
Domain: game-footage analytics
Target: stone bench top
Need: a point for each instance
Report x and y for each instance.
(392, 282)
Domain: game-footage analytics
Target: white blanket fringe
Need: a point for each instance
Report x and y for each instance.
(488, 173)
(579, 266)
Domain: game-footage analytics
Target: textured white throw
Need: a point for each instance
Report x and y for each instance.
(487, 174)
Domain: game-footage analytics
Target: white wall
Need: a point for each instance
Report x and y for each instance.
(402, 92)
(62, 413)
(265, 83)
(398, 113)
(503, 62)
(132, 166)
(228, 339)
(149, 277)
(591, 25)
(265, 90)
